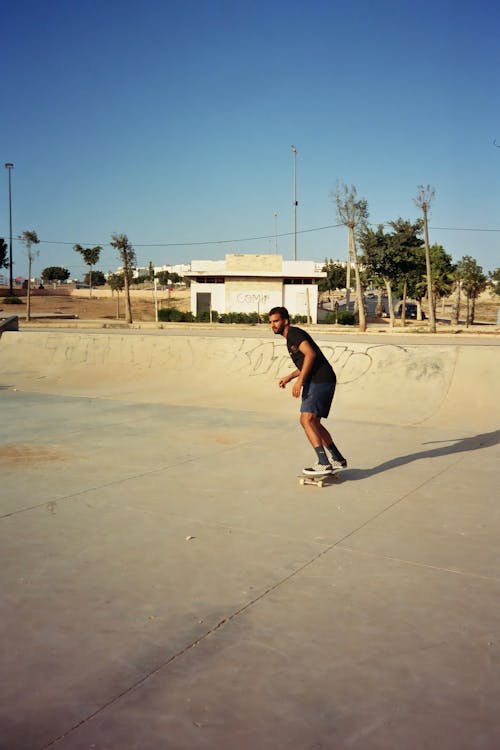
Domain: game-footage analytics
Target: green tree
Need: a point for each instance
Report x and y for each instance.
(424, 199)
(335, 276)
(117, 283)
(29, 238)
(55, 274)
(97, 278)
(90, 257)
(352, 212)
(127, 257)
(473, 282)
(163, 277)
(406, 251)
(3, 253)
(457, 292)
(495, 277)
(442, 272)
(380, 261)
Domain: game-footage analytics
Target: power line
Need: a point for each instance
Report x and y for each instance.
(205, 242)
(463, 229)
(253, 239)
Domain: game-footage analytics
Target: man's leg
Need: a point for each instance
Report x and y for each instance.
(319, 435)
(312, 427)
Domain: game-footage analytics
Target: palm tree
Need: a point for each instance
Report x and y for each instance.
(29, 238)
(424, 198)
(127, 257)
(352, 212)
(90, 258)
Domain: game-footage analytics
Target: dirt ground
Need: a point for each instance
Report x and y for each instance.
(63, 302)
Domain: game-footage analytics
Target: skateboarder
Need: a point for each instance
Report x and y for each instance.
(315, 378)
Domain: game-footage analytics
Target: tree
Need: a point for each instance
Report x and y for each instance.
(127, 257)
(97, 278)
(424, 199)
(335, 276)
(406, 245)
(3, 253)
(117, 282)
(352, 212)
(442, 272)
(457, 290)
(163, 277)
(379, 260)
(29, 238)
(495, 277)
(473, 282)
(55, 274)
(90, 257)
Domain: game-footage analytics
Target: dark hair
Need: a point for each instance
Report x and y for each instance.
(281, 311)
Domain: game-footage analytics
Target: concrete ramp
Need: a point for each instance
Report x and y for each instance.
(386, 383)
(167, 583)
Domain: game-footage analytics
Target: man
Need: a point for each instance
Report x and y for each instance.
(316, 380)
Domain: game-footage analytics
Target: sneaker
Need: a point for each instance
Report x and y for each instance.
(318, 469)
(339, 464)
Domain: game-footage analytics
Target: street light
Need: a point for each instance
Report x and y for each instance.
(9, 166)
(294, 202)
(275, 231)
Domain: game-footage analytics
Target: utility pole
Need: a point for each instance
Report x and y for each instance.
(295, 204)
(9, 166)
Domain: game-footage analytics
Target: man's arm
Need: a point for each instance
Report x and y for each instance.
(309, 357)
(287, 378)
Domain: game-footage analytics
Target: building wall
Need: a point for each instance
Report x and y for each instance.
(259, 263)
(258, 292)
(218, 296)
(253, 295)
(301, 299)
(259, 295)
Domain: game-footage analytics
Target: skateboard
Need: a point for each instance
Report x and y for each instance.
(319, 479)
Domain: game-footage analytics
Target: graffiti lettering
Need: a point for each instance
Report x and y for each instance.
(252, 298)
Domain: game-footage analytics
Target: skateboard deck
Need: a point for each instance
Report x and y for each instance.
(319, 479)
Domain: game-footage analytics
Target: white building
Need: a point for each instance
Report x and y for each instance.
(181, 269)
(255, 283)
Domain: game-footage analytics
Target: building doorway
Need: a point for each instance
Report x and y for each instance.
(203, 302)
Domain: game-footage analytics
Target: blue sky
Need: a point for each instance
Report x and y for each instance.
(173, 123)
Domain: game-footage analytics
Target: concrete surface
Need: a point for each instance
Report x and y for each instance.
(168, 585)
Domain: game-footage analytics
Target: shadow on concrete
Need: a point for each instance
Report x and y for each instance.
(459, 445)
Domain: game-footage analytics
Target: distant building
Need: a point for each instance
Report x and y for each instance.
(255, 283)
(180, 269)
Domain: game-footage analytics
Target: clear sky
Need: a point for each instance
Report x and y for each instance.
(172, 122)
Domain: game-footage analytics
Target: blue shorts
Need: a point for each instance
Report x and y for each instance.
(317, 398)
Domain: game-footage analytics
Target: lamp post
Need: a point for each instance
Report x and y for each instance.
(294, 202)
(9, 166)
(275, 231)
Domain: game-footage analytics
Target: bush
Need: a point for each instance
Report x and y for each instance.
(238, 317)
(204, 317)
(12, 301)
(298, 319)
(173, 315)
(346, 318)
(331, 318)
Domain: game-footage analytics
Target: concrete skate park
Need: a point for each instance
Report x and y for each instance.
(168, 585)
